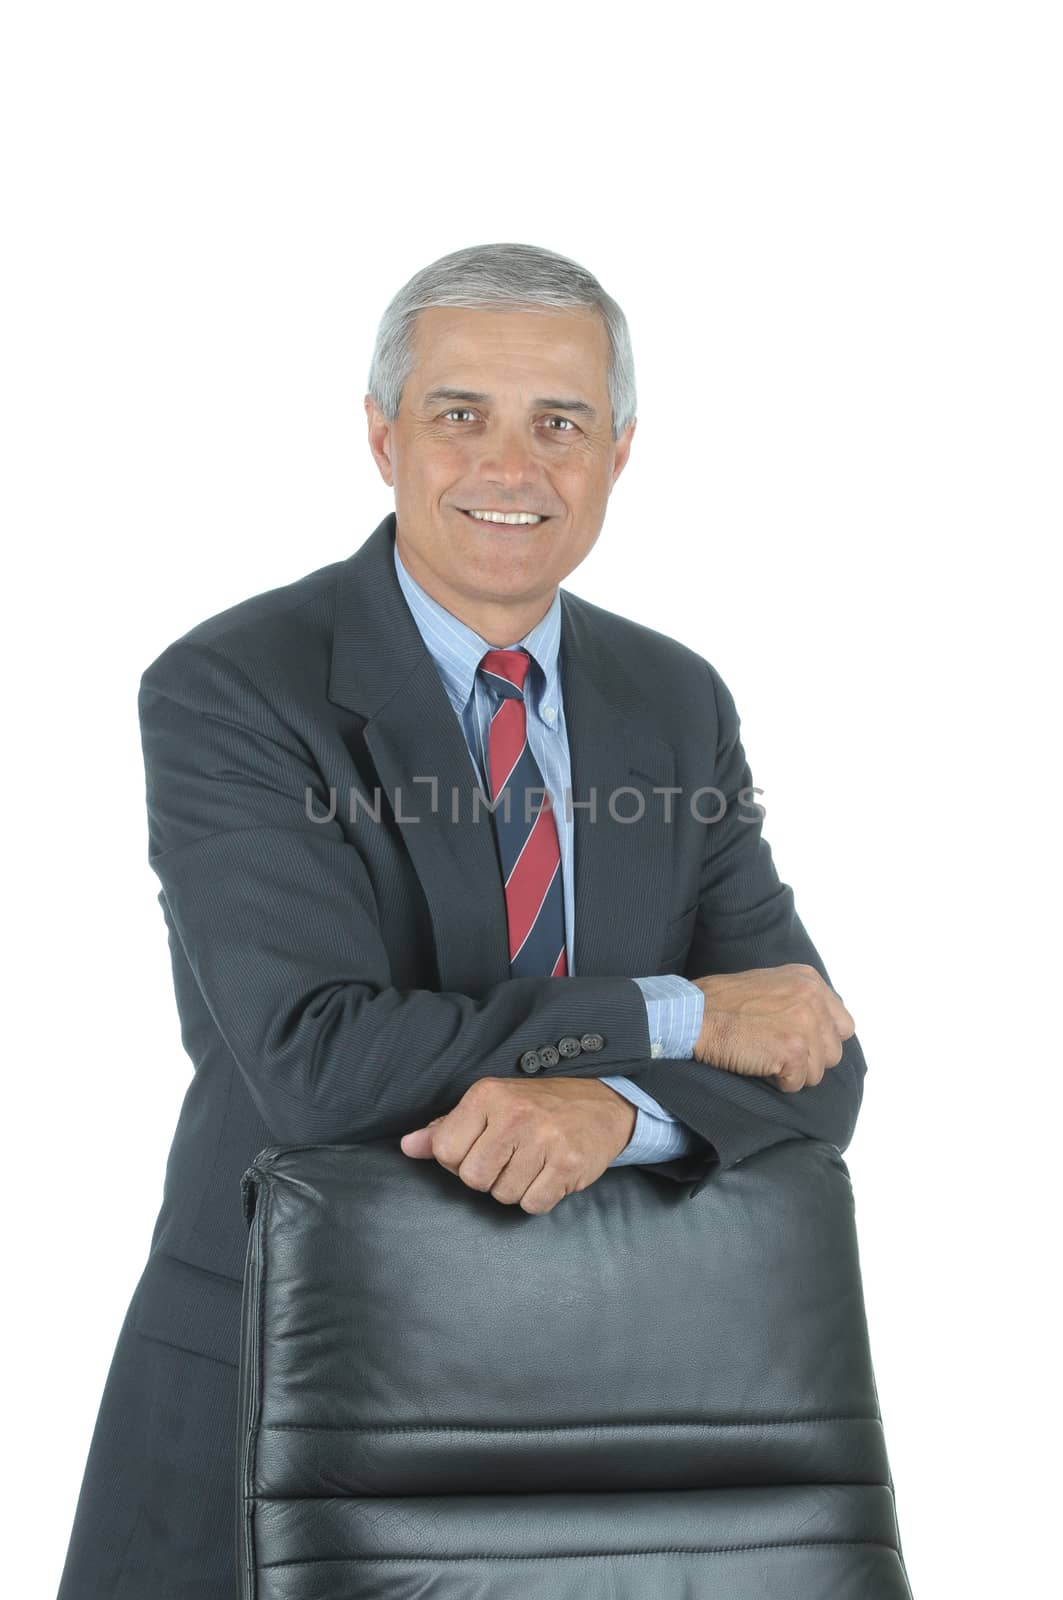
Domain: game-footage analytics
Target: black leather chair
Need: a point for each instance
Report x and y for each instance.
(643, 1395)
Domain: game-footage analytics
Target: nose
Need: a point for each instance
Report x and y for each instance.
(508, 460)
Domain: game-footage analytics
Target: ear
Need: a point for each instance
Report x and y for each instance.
(380, 439)
(622, 449)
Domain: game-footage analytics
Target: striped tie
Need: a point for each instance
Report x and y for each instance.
(528, 849)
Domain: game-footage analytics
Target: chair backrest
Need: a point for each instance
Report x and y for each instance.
(640, 1394)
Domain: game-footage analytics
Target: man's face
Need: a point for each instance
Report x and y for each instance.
(505, 410)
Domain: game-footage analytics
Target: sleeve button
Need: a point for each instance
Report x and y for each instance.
(530, 1062)
(592, 1041)
(548, 1056)
(569, 1045)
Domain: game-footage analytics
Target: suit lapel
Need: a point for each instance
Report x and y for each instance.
(382, 670)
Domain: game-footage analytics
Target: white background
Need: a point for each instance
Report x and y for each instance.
(835, 232)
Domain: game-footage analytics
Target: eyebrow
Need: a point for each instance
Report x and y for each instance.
(475, 398)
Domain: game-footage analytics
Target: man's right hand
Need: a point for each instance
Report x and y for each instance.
(782, 1022)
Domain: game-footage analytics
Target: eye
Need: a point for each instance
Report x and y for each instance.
(464, 411)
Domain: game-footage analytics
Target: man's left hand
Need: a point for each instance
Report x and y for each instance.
(528, 1144)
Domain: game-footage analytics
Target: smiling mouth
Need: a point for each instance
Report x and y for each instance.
(494, 522)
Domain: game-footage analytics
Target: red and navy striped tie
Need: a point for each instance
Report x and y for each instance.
(528, 849)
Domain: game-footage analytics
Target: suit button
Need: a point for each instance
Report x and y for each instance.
(569, 1045)
(548, 1056)
(529, 1061)
(592, 1041)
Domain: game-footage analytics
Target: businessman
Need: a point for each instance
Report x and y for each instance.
(448, 857)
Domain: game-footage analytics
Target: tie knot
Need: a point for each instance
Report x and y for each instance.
(507, 670)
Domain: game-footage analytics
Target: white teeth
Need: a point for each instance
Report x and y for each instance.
(505, 516)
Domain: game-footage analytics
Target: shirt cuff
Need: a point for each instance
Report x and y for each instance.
(674, 1011)
(674, 1008)
(657, 1135)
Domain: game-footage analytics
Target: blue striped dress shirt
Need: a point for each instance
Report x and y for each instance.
(674, 1006)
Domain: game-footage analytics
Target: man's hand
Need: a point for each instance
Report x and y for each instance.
(528, 1144)
(782, 1022)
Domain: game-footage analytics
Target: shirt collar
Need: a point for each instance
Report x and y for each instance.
(458, 649)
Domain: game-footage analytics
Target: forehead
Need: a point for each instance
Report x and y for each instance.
(453, 345)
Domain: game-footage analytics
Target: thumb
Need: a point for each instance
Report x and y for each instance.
(418, 1144)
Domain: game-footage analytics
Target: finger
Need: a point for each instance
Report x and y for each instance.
(839, 1015)
(488, 1157)
(518, 1174)
(794, 1075)
(417, 1144)
(790, 1080)
(456, 1134)
(829, 999)
(544, 1193)
(827, 1052)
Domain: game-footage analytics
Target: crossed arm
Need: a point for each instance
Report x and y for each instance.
(534, 1144)
(277, 916)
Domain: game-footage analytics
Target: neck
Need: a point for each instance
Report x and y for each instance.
(501, 623)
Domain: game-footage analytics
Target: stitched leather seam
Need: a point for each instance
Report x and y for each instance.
(346, 1499)
(597, 1555)
(548, 1427)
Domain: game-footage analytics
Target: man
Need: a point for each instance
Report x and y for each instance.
(367, 942)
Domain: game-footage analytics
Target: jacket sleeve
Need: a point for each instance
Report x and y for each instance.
(277, 916)
(747, 918)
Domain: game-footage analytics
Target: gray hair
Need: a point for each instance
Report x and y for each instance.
(518, 275)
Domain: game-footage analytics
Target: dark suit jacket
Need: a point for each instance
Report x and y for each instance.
(348, 978)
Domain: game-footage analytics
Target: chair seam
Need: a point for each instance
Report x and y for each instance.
(550, 1427)
(595, 1555)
